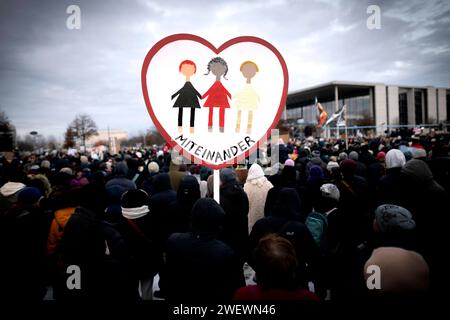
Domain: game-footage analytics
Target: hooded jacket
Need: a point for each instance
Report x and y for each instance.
(23, 235)
(428, 203)
(175, 175)
(120, 177)
(101, 253)
(256, 187)
(194, 258)
(180, 210)
(159, 205)
(287, 179)
(234, 202)
(284, 220)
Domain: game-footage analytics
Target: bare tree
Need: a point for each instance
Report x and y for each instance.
(69, 138)
(83, 127)
(7, 133)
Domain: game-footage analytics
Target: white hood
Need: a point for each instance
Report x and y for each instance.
(395, 159)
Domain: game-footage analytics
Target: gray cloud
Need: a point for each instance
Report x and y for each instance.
(48, 73)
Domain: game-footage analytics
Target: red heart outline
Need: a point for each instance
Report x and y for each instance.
(187, 36)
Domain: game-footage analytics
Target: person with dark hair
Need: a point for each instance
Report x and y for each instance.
(316, 160)
(67, 203)
(234, 202)
(194, 258)
(179, 211)
(326, 203)
(120, 177)
(217, 94)
(348, 232)
(23, 232)
(310, 192)
(276, 267)
(159, 205)
(147, 183)
(136, 231)
(284, 220)
(100, 252)
(422, 196)
(287, 179)
(353, 203)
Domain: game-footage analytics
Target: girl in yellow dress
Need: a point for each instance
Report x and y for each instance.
(247, 99)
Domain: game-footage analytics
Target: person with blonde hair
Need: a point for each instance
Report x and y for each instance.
(247, 99)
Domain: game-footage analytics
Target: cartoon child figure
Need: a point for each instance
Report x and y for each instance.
(247, 99)
(217, 94)
(188, 96)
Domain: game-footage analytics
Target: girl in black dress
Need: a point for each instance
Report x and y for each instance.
(187, 96)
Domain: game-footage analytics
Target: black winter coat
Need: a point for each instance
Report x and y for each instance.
(234, 202)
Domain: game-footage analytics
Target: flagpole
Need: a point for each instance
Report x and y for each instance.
(346, 133)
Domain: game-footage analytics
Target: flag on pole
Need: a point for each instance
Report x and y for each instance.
(341, 122)
(339, 116)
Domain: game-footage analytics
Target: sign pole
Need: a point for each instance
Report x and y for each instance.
(217, 185)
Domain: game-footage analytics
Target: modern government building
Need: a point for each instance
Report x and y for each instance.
(371, 106)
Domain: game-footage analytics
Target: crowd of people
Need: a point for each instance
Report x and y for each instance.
(310, 231)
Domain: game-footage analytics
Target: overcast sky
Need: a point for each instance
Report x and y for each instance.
(49, 73)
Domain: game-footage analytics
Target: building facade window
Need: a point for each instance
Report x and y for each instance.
(448, 107)
(403, 109)
(418, 106)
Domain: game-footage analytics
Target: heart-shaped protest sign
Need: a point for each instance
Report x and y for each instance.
(214, 104)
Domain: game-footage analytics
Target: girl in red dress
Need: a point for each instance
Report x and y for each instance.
(217, 94)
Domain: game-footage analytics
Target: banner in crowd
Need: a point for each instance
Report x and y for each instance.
(214, 104)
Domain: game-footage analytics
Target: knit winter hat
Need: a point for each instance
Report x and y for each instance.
(316, 154)
(289, 162)
(348, 167)
(331, 165)
(329, 190)
(134, 204)
(45, 164)
(392, 218)
(153, 167)
(402, 271)
(418, 153)
(67, 170)
(227, 175)
(354, 155)
(29, 196)
(342, 156)
(315, 172)
(381, 156)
